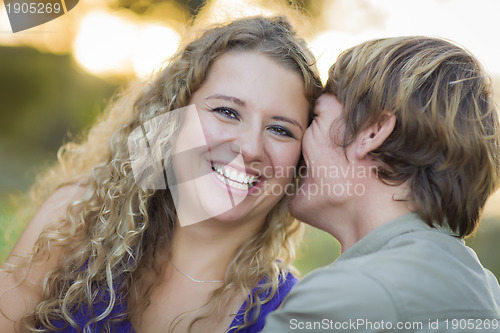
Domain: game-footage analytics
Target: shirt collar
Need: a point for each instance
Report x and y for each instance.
(378, 237)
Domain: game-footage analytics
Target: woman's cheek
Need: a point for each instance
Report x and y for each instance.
(294, 155)
(288, 160)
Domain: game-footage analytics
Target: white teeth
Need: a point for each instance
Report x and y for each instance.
(219, 168)
(227, 171)
(231, 183)
(233, 177)
(241, 178)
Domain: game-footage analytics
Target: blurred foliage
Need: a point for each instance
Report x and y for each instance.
(320, 249)
(485, 242)
(175, 11)
(142, 7)
(317, 250)
(44, 98)
(7, 241)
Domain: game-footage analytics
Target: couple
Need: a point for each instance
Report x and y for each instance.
(173, 215)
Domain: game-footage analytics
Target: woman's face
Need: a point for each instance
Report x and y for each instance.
(236, 152)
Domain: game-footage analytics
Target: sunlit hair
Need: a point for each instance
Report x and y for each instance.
(445, 141)
(114, 234)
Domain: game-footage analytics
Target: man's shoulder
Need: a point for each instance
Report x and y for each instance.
(413, 252)
(428, 270)
(345, 289)
(402, 256)
(414, 278)
(327, 298)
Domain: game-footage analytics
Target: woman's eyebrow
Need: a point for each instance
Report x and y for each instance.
(288, 120)
(235, 100)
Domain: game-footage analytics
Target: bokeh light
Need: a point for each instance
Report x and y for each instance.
(345, 23)
(327, 46)
(155, 44)
(218, 11)
(103, 43)
(112, 44)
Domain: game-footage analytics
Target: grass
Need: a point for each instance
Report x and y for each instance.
(7, 232)
(317, 250)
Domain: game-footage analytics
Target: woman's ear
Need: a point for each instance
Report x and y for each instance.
(372, 137)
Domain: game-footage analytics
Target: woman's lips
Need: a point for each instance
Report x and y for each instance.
(234, 176)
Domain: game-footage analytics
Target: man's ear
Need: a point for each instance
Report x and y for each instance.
(372, 137)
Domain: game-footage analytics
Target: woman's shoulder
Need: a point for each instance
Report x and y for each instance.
(286, 281)
(289, 280)
(50, 213)
(20, 283)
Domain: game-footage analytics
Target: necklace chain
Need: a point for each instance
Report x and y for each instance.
(192, 278)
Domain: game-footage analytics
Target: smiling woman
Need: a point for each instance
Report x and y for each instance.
(239, 117)
(211, 250)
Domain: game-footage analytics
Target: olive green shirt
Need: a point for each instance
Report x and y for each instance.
(402, 277)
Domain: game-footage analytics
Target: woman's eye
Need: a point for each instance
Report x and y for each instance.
(227, 113)
(281, 131)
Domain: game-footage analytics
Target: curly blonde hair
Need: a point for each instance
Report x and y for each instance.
(112, 236)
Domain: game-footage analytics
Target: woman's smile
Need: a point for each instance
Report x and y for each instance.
(252, 113)
(234, 178)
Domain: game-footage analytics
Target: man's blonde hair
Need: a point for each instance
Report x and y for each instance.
(445, 141)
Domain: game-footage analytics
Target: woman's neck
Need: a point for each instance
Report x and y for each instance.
(204, 250)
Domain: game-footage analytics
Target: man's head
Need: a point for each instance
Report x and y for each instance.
(444, 144)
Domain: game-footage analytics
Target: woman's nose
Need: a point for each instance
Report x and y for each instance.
(250, 142)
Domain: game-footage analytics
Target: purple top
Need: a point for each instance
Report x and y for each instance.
(83, 316)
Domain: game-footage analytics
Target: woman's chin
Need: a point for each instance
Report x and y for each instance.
(234, 215)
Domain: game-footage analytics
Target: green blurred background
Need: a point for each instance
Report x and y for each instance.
(54, 81)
